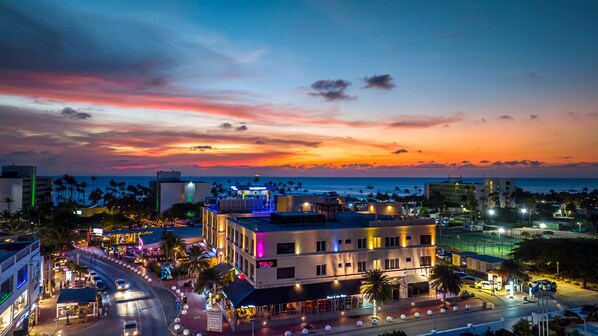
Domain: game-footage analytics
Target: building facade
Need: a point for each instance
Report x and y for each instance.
(20, 286)
(298, 266)
(490, 193)
(169, 189)
(24, 187)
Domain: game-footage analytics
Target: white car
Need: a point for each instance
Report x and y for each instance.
(121, 284)
(131, 328)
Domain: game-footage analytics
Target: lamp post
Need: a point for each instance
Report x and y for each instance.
(491, 213)
(523, 211)
(579, 224)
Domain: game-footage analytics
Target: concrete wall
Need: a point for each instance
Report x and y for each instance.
(13, 188)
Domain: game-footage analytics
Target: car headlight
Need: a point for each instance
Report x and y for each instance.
(126, 333)
(135, 332)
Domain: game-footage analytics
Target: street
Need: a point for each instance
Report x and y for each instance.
(140, 302)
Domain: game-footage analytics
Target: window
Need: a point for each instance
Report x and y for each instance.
(425, 261)
(340, 265)
(340, 242)
(376, 264)
(6, 289)
(376, 242)
(392, 241)
(321, 245)
(285, 272)
(408, 237)
(361, 266)
(425, 240)
(285, 248)
(408, 260)
(347, 264)
(21, 276)
(320, 270)
(361, 243)
(391, 263)
(347, 241)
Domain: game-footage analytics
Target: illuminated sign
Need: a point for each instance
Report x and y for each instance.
(257, 188)
(266, 263)
(98, 232)
(336, 296)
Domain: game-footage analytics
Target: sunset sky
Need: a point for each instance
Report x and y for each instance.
(300, 88)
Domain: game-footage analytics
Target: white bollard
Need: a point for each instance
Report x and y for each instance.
(403, 316)
(429, 312)
(359, 323)
(388, 318)
(328, 328)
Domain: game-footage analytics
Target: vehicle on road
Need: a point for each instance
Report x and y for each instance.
(121, 284)
(461, 274)
(131, 328)
(483, 285)
(101, 285)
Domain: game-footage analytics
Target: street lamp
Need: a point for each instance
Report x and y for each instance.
(491, 213)
(579, 224)
(523, 211)
(500, 230)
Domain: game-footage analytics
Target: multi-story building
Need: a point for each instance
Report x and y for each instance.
(491, 193)
(168, 189)
(22, 185)
(299, 266)
(20, 286)
(497, 192)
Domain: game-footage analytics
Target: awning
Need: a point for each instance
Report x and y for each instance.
(415, 278)
(82, 296)
(223, 268)
(241, 293)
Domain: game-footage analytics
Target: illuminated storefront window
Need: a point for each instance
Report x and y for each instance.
(5, 319)
(20, 304)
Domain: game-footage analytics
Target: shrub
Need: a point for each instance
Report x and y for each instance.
(393, 333)
(155, 268)
(522, 327)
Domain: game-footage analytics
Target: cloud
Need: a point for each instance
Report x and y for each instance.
(505, 117)
(201, 148)
(241, 128)
(483, 120)
(531, 75)
(484, 161)
(400, 151)
(524, 163)
(533, 116)
(383, 82)
(226, 125)
(73, 114)
(331, 90)
(419, 151)
(412, 122)
(260, 142)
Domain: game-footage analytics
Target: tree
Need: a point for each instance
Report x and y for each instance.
(58, 238)
(209, 282)
(376, 287)
(443, 278)
(512, 270)
(172, 244)
(198, 259)
(522, 327)
(8, 200)
(95, 196)
(393, 333)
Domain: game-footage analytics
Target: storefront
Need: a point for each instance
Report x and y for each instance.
(5, 319)
(243, 303)
(78, 303)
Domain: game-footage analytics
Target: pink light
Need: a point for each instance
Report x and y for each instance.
(260, 249)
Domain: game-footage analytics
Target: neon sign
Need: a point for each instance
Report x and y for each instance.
(257, 188)
(336, 296)
(266, 263)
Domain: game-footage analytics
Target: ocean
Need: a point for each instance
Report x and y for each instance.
(351, 186)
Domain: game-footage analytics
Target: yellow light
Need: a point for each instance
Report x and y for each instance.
(297, 285)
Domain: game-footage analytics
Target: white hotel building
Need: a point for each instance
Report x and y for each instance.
(301, 266)
(20, 286)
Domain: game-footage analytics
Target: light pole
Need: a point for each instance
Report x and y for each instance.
(491, 213)
(579, 224)
(523, 211)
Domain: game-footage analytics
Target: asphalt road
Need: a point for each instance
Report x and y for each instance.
(140, 302)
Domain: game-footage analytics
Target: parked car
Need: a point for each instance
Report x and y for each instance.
(469, 280)
(483, 284)
(548, 232)
(121, 284)
(461, 274)
(131, 328)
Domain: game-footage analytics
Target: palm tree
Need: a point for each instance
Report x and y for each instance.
(172, 244)
(209, 281)
(58, 238)
(198, 259)
(512, 270)
(83, 185)
(93, 182)
(376, 287)
(443, 278)
(8, 200)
